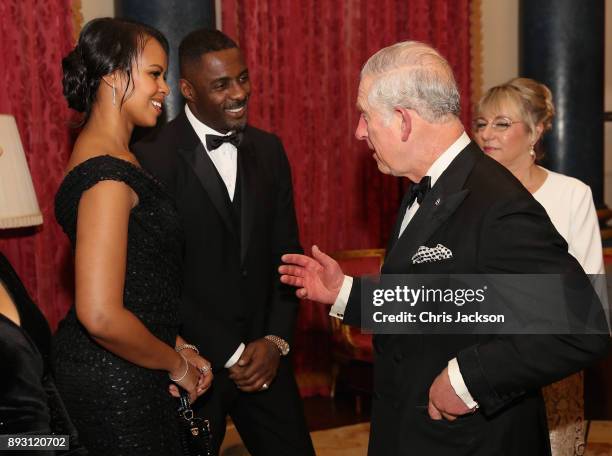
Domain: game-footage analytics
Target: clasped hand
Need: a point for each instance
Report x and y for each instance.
(257, 366)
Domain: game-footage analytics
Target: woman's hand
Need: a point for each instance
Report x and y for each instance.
(187, 377)
(202, 365)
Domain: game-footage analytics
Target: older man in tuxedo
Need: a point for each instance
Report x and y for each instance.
(462, 394)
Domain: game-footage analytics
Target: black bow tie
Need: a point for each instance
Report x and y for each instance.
(215, 141)
(419, 190)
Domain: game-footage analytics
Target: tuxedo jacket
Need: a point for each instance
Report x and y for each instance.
(232, 292)
(492, 224)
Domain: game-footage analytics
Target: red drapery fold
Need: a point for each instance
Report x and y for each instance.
(35, 36)
(304, 59)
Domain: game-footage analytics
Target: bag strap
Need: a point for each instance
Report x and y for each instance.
(185, 406)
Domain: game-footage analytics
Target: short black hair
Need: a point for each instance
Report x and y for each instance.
(200, 42)
(105, 45)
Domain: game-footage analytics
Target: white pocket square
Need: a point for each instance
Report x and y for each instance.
(430, 254)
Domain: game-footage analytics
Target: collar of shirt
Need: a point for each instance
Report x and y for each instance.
(442, 162)
(434, 172)
(225, 158)
(202, 129)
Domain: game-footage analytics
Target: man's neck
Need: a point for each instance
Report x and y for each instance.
(196, 115)
(438, 139)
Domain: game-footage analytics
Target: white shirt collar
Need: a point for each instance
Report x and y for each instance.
(442, 162)
(200, 128)
(434, 172)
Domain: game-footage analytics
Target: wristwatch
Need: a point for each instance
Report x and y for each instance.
(281, 344)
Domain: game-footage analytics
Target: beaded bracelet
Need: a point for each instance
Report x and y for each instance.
(191, 347)
(176, 380)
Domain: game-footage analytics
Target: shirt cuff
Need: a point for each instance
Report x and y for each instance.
(235, 357)
(337, 310)
(456, 380)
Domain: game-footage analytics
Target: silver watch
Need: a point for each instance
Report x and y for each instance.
(281, 344)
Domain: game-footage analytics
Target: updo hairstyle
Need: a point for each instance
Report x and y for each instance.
(532, 100)
(105, 45)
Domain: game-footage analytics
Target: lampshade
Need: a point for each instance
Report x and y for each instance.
(18, 205)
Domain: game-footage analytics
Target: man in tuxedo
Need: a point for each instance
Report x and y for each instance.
(464, 394)
(232, 187)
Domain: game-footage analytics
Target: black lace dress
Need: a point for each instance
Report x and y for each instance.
(120, 408)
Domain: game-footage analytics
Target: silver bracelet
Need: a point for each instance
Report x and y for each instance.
(189, 346)
(176, 380)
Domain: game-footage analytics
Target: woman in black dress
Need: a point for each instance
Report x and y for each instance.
(119, 345)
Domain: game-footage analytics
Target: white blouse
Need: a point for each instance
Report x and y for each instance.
(569, 204)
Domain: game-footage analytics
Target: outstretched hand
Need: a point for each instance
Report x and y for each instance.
(318, 278)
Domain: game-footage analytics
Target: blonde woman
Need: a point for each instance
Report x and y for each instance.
(511, 119)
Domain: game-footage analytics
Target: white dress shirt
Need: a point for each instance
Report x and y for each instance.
(434, 172)
(225, 159)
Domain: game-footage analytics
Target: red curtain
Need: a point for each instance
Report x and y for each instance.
(304, 59)
(35, 35)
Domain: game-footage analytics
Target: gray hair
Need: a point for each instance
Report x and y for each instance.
(412, 75)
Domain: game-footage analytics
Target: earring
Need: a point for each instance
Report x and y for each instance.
(114, 100)
(532, 152)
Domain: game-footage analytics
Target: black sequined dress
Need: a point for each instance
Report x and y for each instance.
(120, 408)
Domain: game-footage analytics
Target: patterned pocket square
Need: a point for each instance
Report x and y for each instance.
(431, 254)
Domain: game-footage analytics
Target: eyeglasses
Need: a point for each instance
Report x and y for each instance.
(498, 124)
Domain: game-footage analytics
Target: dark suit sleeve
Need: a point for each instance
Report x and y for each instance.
(284, 304)
(516, 238)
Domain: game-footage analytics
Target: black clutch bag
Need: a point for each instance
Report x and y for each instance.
(194, 432)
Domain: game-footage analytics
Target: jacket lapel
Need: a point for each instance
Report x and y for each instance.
(398, 223)
(248, 167)
(425, 222)
(193, 152)
(438, 205)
